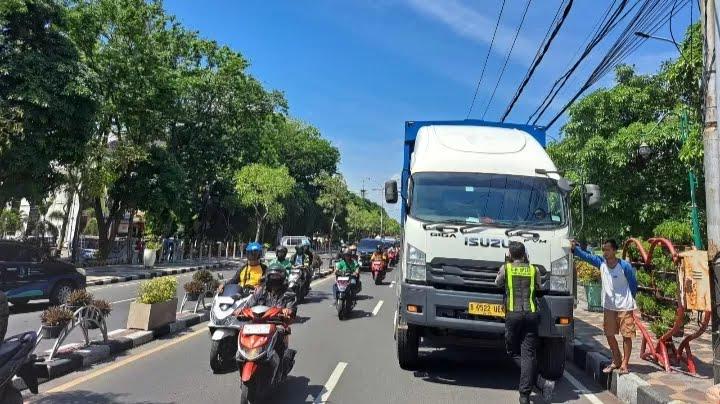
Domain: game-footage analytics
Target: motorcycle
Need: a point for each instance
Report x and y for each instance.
(16, 358)
(297, 282)
(263, 358)
(392, 257)
(378, 271)
(345, 298)
(224, 327)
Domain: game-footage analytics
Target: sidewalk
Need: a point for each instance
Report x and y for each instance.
(122, 273)
(647, 382)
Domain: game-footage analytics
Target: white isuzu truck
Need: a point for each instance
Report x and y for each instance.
(467, 189)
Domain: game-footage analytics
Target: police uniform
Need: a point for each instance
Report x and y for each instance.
(520, 281)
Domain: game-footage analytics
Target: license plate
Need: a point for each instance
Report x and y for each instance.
(343, 279)
(256, 329)
(486, 309)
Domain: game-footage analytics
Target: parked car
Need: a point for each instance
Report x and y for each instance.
(290, 242)
(365, 248)
(29, 273)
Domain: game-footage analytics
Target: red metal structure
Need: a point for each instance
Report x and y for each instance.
(663, 351)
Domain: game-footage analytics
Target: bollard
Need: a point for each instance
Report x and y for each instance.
(234, 248)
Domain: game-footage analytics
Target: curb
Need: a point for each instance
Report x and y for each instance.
(119, 341)
(154, 274)
(629, 388)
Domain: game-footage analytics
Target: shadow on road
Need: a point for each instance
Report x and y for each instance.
(89, 397)
(296, 390)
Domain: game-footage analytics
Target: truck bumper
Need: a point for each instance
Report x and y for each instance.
(443, 309)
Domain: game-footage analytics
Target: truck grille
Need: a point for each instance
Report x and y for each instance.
(465, 275)
(462, 274)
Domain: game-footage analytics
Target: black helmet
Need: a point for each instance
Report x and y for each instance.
(378, 248)
(347, 253)
(281, 252)
(275, 277)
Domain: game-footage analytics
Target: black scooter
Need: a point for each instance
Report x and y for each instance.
(16, 358)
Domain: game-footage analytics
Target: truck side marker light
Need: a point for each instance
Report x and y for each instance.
(414, 309)
(564, 320)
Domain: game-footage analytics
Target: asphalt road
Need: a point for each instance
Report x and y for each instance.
(120, 295)
(350, 361)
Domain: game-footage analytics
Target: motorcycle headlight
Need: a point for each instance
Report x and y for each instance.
(252, 353)
(560, 274)
(415, 264)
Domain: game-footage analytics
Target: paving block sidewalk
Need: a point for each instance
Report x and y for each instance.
(648, 382)
(122, 273)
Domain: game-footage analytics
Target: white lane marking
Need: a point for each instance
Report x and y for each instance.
(582, 390)
(391, 284)
(330, 385)
(377, 308)
(123, 301)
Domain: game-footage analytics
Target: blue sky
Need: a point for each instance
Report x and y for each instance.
(358, 69)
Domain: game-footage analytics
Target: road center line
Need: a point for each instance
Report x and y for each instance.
(582, 390)
(391, 284)
(377, 308)
(324, 395)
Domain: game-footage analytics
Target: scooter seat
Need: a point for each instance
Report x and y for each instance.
(8, 350)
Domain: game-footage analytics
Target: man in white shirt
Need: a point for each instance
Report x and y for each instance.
(619, 286)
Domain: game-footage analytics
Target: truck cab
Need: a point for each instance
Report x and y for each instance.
(468, 188)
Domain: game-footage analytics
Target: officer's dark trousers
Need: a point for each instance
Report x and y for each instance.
(521, 339)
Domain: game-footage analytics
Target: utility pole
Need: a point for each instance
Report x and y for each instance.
(711, 144)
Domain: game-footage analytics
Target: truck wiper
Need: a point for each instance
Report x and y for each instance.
(442, 225)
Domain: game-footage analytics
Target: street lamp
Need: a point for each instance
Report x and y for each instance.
(645, 35)
(644, 151)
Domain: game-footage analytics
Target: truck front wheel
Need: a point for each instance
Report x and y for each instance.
(551, 358)
(408, 341)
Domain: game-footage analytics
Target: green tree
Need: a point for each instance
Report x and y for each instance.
(10, 222)
(262, 188)
(604, 131)
(46, 108)
(333, 197)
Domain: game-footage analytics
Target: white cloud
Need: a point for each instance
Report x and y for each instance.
(473, 25)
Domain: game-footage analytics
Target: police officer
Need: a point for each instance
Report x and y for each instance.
(520, 280)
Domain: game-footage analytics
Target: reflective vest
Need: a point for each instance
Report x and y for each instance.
(520, 281)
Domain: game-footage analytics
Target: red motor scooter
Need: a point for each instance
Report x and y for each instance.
(264, 359)
(378, 271)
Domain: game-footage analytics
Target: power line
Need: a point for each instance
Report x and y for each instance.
(613, 15)
(542, 50)
(507, 58)
(650, 18)
(482, 73)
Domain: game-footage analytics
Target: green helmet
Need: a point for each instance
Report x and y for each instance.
(275, 277)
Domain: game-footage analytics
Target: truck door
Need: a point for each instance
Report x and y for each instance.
(8, 266)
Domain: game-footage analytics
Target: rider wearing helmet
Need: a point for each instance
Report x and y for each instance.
(250, 275)
(348, 267)
(379, 254)
(303, 255)
(273, 291)
(281, 258)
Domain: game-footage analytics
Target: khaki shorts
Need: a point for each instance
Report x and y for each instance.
(619, 322)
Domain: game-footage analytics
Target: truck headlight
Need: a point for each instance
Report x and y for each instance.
(415, 264)
(560, 274)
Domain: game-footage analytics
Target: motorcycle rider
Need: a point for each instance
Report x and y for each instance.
(281, 258)
(273, 292)
(348, 267)
(379, 255)
(250, 275)
(303, 255)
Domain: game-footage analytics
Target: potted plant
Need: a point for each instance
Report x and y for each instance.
(150, 254)
(53, 320)
(205, 277)
(589, 277)
(194, 289)
(104, 307)
(212, 287)
(156, 304)
(78, 298)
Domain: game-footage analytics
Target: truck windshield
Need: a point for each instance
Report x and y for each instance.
(492, 199)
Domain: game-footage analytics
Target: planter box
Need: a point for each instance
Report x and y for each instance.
(51, 331)
(149, 257)
(151, 316)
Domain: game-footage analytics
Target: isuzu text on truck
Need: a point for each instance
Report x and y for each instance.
(467, 189)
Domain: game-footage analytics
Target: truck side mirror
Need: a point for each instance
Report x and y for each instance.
(592, 195)
(391, 191)
(564, 185)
